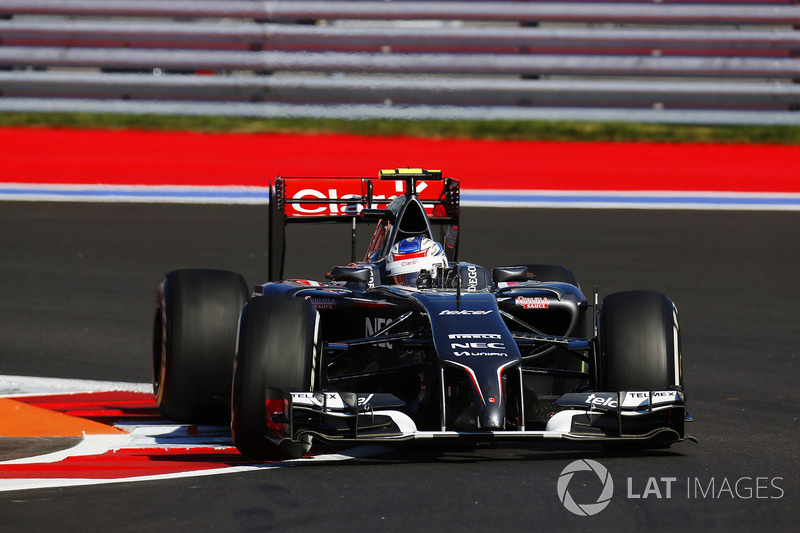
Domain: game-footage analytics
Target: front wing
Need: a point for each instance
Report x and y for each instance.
(644, 417)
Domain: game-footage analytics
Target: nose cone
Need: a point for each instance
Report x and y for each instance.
(491, 415)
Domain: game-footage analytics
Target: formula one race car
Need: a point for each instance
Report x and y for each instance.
(411, 343)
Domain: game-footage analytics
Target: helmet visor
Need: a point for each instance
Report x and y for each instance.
(409, 279)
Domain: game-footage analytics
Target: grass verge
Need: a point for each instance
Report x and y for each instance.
(471, 129)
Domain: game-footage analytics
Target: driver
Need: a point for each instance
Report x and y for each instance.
(411, 256)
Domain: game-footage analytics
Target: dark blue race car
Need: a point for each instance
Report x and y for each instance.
(411, 343)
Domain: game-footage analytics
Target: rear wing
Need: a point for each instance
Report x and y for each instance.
(348, 199)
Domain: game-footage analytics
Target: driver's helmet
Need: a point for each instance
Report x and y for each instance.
(411, 256)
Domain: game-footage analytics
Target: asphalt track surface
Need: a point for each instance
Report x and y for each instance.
(77, 289)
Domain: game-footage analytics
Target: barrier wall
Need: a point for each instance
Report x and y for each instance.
(721, 62)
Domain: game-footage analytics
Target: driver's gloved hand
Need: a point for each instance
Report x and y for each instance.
(451, 279)
(425, 280)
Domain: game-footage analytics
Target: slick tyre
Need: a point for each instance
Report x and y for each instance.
(552, 273)
(194, 338)
(639, 342)
(277, 349)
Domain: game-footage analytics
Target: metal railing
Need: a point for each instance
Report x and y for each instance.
(721, 62)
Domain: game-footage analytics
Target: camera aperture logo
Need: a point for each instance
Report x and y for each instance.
(585, 509)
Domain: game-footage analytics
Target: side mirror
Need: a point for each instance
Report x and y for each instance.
(357, 273)
(512, 273)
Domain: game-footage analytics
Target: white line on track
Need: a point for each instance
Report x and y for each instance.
(42, 483)
(11, 386)
(695, 200)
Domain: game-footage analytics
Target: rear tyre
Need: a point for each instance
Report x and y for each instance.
(639, 342)
(194, 338)
(277, 349)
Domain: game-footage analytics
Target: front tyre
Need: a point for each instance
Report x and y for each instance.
(194, 337)
(277, 350)
(639, 342)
